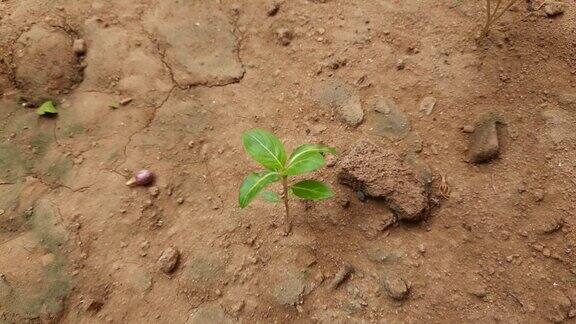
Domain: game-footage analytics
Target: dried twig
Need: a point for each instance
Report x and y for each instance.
(492, 15)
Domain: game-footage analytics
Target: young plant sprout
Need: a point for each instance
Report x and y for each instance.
(266, 149)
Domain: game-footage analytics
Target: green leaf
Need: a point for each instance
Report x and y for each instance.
(312, 190)
(253, 184)
(307, 158)
(47, 108)
(270, 196)
(265, 148)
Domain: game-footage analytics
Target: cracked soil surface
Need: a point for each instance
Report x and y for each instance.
(170, 86)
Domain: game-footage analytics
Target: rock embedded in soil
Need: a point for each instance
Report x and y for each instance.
(427, 105)
(79, 47)
(289, 291)
(484, 145)
(92, 305)
(284, 35)
(342, 275)
(154, 191)
(209, 313)
(273, 8)
(389, 121)
(554, 8)
(199, 41)
(567, 100)
(168, 260)
(381, 172)
(396, 287)
(469, 129)
(345, 100)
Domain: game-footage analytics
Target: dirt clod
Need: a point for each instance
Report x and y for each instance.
(154, 191)
(484, 145)
(45, 66)
(284, 35)
(554, 8)
(383, 173)
(396, 287)
(168, 260)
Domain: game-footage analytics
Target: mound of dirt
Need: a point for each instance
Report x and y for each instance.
(383, 173)
(45, 63)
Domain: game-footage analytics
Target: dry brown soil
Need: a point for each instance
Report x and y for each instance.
(79, 246)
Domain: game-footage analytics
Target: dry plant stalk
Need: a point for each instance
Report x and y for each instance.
(494, 10)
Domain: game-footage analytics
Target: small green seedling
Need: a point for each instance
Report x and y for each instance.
(47, 108)
(266, 149)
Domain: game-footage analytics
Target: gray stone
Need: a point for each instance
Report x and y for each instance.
(209, 314)
(559, 126)
(484, 146)
(396, 287)
(388, 121)
(345, 100)
(427, 105)
(343, 273)
(385, 256)
(381, 172)
(289, 290)
(200, 45)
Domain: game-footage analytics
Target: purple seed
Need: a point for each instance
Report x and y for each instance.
(141, 178)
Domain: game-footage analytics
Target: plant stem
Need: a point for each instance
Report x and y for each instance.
(287, 223)
(493, 16)
(488, 17)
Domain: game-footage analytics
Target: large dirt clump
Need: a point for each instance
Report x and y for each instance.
(45, 63)
(382, 172)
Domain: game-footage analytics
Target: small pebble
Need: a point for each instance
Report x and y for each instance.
(79, 47)
(273, 8)
(168, 260)
(125, 101)
(361, 195)
(154, 191)
(422, 248)
(343, 273)
(468, 129)
(180, 201)
(539, 194)
(396, 288)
